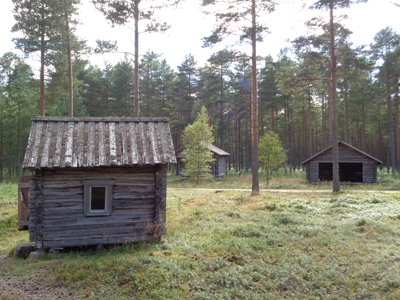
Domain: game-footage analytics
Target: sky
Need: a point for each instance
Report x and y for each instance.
(189, 25)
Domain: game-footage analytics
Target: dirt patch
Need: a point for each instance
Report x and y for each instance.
(35, 286)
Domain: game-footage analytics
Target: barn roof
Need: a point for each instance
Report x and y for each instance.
(347, 145)
(56, 142)
(212, 148)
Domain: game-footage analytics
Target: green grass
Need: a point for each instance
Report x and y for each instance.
(229, 245)
(281, 180)
(9, 234)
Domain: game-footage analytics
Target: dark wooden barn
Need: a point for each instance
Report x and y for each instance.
(97, 180)
(218, 168)
(355, 166)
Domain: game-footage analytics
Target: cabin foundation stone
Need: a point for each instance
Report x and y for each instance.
(23, 250)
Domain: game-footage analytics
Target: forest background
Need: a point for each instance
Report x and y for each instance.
(292, 102)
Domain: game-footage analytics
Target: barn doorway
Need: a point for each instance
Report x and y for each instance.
(351, 172)
(325, 172)
(348, 172)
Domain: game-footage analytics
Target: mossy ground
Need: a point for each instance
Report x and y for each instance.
(230, 245)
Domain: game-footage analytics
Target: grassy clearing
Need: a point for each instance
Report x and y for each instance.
(228, 245)
(280, 180)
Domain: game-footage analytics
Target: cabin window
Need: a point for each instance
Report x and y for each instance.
(98, 196)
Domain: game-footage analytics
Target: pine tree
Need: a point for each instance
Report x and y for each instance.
(122, 12)
(36, 20)
(241, 17)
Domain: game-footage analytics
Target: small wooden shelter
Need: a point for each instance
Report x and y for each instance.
(355, 166)
(218, 168)
(97, 180)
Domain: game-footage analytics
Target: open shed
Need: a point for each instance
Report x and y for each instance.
(218, 168)
(355, 166)
(97, 180)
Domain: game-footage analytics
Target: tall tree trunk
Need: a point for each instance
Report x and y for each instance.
(323, 108)
(335, 148)
(42, 52)
(254, 106)
(229, 140)
(346, 114)
(272, 119)
(136, 71)
(247, 143)
(1, 140)
(70, 78)
(390, 123)
(310, 123)
(221, 111)
(18, 135)
(396, 125)
(364, 125)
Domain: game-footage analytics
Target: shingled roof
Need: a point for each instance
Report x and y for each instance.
(56, 142)
(347, 145)
(212, 148)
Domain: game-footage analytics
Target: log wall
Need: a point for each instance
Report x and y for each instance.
(222, 166)
(57, 206)
(346, 155)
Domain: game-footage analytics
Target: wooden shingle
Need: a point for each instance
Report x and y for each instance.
(56, 142)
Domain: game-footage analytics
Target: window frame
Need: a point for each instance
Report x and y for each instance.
(87, 192)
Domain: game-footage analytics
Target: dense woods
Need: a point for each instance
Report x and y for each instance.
(293, 99)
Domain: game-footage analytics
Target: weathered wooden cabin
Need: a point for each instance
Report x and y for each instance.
(218, 168)
(355, 166)
(97, 180)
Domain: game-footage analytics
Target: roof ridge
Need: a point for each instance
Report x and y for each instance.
(100, 119)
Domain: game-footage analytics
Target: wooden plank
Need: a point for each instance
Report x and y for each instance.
(118, 145)
(91, 153)
(171, 150)
(134, 145)
(63, 192)
(57, 153)
(85, 146)
(163, 147)
(95, 241)
(101, 143)
(35, 148)
(68, 145)
(145, 149)
(87, 229)
(117, 170)
(113, 145)
(155, 157)
(117, 217)
(124, 150)
(79, 145)
(98, 176)
(134, 189)
(124, 196)
(111, 232)
(47, 141)
(29, 147)
(58, 203)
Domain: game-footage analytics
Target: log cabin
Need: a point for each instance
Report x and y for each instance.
(355, 166)
(218, 168)
(97, 180)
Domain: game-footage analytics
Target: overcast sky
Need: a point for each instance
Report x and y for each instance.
(189, 25)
